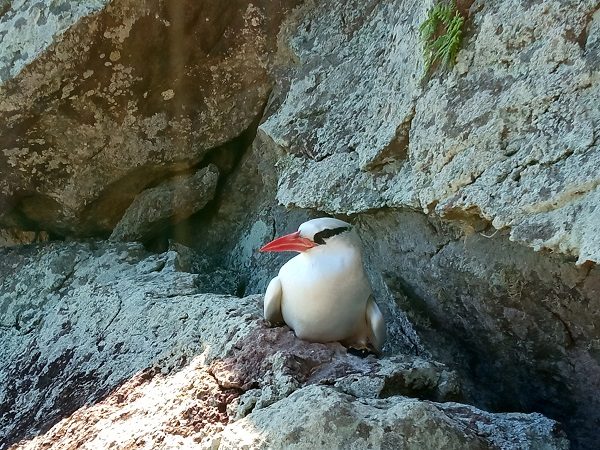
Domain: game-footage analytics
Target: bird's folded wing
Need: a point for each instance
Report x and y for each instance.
(376, 324)
(272, 307)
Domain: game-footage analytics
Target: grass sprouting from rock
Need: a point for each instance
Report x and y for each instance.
(441, 34)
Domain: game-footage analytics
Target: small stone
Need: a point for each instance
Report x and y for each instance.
(168, 94)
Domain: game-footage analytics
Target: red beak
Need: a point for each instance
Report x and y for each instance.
(289, 243)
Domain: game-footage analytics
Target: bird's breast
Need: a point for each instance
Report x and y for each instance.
(324, 297)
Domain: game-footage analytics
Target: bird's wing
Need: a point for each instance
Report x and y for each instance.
(273, 302)
(376, 324)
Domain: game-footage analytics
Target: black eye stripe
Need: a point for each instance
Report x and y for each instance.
(320, 237)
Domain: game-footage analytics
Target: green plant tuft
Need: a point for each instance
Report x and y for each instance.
(441, 34)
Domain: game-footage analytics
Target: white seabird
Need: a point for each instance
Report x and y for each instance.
(323, 293)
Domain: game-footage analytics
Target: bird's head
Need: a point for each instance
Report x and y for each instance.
(310, 234)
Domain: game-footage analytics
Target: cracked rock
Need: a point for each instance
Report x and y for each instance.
(322, 417)
(166, 204)
(107, 345)
(510, 135)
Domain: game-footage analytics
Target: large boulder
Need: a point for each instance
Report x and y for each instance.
(100, 99)
(106, 345)
(318, 417)
(509, 136)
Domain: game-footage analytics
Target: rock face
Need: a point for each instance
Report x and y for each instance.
(100, 100)
(509, 136)
(475, 191)
(171, 202)
(520, 327)
(321, 417)
(505, 144)
(93, 359)
(92, 318)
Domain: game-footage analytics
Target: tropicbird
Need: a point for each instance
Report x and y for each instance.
(323, 293)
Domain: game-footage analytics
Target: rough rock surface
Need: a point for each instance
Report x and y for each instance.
(318, 417)
(519, 326)
(79, 319)
(509, 136)
(11, 237)
(103, 99)
(268, 365)
(107, 345)
(168, 203)
(151, 410)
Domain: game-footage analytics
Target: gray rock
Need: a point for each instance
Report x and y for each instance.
(503, 147)
(520, 327)
(270, 364)
(30, 29)
(99, 337)
(166, 204)
(100, 100)
(76, 320)
(181, 410)
(508, 136)
(403, 375)
(318, 417)
(491, 309)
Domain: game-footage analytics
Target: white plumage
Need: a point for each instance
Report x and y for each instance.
(323, 293)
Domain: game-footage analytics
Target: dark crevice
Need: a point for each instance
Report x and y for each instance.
(66, 279)
(227, 158)
(570, 337)
(397, 150)
(113, 318)
(398, 385)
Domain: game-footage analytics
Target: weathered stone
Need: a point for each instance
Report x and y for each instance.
(97, 337)
(182, 410)
(11, 237)
(79, 319)
(403, 375)
(334, 55)
(270, 364)
(168, 203)
(322, 417)
(509, 135)
(99, 100)
(520, 327)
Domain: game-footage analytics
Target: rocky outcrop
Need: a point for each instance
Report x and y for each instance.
(475, 191)
(503, 148)
(321, 417)
(101, 100)
(169, 203)
(106, 345)
(508, 137)
(519, 326)
(93, 317)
